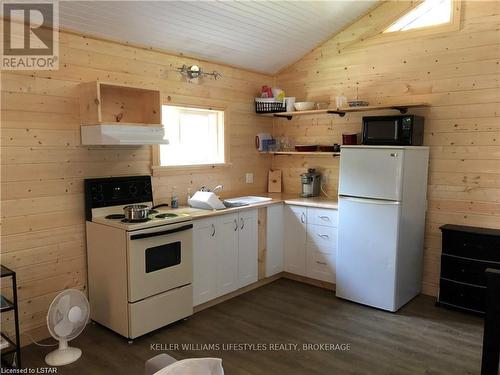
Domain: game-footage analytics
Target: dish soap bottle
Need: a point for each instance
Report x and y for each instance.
(174, 202)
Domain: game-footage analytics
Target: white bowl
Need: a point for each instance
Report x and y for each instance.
(304, 106)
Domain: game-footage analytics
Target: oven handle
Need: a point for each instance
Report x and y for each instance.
(161, 233)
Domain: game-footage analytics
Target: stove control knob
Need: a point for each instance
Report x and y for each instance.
(132, 189)
(98, 197)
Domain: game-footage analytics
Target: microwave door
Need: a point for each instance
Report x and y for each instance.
(381, 132)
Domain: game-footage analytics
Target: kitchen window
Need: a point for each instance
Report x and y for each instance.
(196, 137)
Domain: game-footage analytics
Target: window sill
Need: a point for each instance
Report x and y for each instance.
(159, 170)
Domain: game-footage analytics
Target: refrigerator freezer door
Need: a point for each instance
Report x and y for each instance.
(366, 253)
(371, 173)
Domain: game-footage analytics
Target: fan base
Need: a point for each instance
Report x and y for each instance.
(61, 357)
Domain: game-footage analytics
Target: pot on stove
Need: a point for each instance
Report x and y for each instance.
(136, 212)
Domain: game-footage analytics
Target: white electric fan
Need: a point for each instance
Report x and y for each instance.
(68, 314)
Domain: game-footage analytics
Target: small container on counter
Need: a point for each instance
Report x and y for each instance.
(174, 201)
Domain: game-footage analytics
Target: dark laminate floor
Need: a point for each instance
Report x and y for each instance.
(419, 339)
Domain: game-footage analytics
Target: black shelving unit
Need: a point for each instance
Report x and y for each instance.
(8, 306)
(467, 253)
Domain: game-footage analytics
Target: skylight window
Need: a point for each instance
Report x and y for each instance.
(429, 13)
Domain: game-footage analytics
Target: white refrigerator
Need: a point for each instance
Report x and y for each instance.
(382, 204)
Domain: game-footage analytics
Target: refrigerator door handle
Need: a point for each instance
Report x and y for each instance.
(371, 201)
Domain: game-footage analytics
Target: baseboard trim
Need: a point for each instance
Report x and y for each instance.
(238, 292)
(307, 280)
(262, 282)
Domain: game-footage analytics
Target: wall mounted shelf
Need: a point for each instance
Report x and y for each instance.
(112, 103)
(402, 108)
(303, 153)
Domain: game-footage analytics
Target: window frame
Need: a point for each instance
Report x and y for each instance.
(159, 169)
(453, 25)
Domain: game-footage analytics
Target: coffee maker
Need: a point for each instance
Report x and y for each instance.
(311, 183)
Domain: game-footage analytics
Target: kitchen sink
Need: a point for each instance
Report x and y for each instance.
(234, 203)
(245, 201)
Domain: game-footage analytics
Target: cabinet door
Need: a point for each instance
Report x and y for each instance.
(248, 263)
(274, 238)
(204, 261)
(295, 240)
(227, 253)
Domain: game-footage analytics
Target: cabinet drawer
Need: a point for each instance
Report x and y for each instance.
(319, 216)
(320, 266)
(321, 237)
(462, 295)
(471, 245)
(465, 270)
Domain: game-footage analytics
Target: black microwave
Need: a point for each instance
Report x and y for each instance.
(403, 130)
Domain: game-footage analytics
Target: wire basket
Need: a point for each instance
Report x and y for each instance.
(267, 105)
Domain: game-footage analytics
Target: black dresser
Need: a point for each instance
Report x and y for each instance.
(467, 252)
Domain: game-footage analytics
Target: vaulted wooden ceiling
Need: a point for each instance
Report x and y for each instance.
(259, 35)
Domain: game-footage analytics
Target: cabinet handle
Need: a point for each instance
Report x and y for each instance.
(242, 223)
(213, 230)
(235, 225)
(326, 218)
(302, 218)
(323, 235)
(323, 263)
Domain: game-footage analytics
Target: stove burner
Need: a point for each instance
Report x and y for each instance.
(127, 221)
(164, 216)
(115, 216)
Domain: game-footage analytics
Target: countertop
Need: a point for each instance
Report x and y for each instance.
(292, 199)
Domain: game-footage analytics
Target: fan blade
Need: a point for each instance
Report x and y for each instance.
(63, 305)
(63, 328)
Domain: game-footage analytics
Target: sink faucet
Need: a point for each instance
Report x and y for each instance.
(218, 187)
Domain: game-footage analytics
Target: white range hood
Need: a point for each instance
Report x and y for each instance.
(122, 134)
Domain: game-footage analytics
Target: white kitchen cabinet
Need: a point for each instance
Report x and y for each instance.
(320, 252)
(248, 237)
(295, 239)
(321, 243)
(274, 239)
(310, 238)
(227, 253)
(204, 260)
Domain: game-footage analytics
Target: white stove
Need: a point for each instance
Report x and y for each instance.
(139, 272)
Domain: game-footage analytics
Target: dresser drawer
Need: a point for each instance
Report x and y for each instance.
(322, 237)
(462, 295)
(319, 216)
(465, 270)
(471, 245)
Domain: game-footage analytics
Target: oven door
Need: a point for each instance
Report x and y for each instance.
(159, 259)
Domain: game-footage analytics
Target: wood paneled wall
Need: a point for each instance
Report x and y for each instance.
(457, 72)
(43, 163)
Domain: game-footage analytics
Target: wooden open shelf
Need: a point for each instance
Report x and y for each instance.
(402, 108)
(111, 103)
(304, 153)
